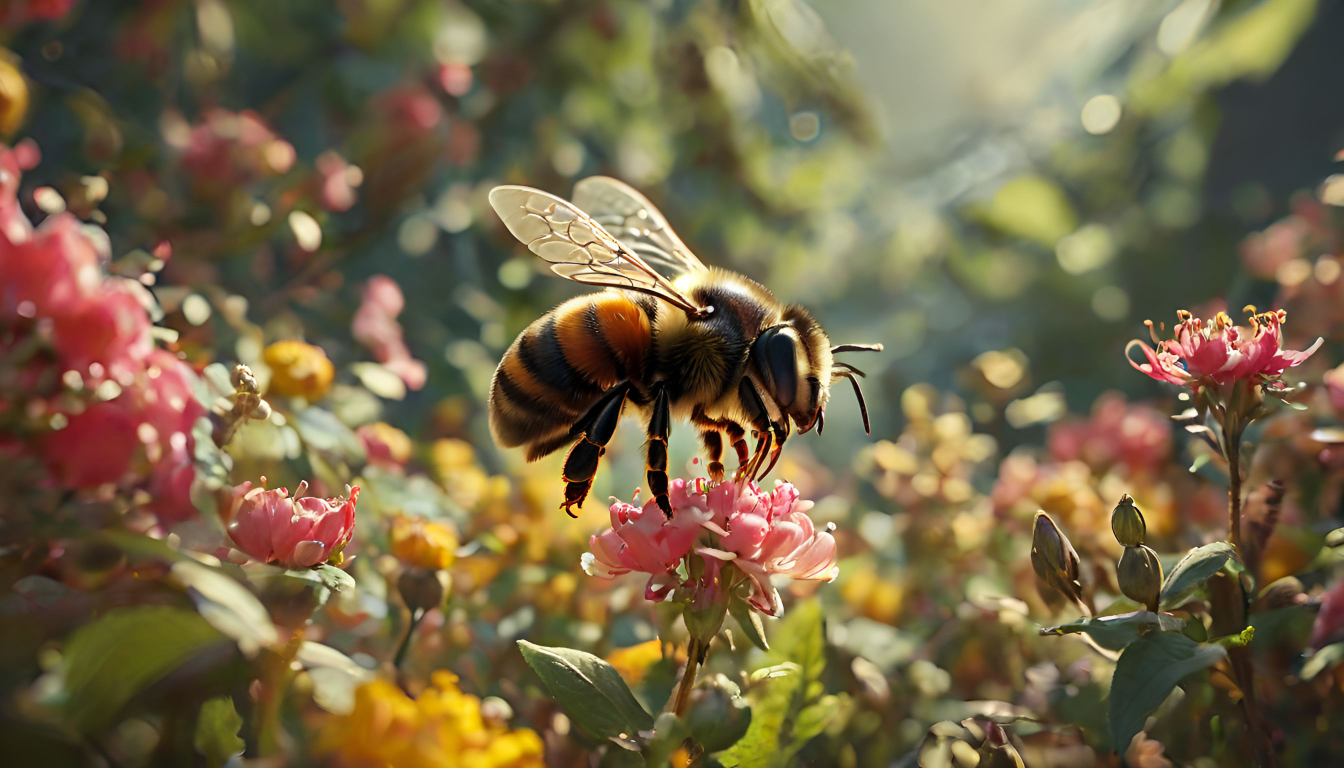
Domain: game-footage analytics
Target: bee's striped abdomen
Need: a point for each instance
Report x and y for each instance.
(561, 364)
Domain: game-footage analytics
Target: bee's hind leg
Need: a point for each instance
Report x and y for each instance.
(713, 441)
(660, 425)
(598, 425)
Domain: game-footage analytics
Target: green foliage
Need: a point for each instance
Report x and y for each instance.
(1147, 672)
(1193, 570)
(788, 701)
(589, 690)
(217, 729)
(750, 623)
(115, 657)
(1115, 632)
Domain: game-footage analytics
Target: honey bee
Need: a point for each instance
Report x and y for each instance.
(671, 337)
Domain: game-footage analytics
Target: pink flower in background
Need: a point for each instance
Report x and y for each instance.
(1329, 626)
(230, 148)
(109, 329)
(96, 446)
(170, 485)
(762, 533)
(375, 326)
(1218, 351)
(338, 182)
(298, 532)
(1334, 384)
(1117, 432)
(20, 11)
(412, 111)
(51, 271)
(14, 225)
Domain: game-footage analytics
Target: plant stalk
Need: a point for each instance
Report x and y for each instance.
(694, 650)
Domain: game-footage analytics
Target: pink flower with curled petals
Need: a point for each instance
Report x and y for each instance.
(1216, 352)
(761, 534)
(299, 532)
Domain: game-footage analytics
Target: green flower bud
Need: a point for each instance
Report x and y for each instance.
(1140, 575)
(1127, 523)
(1053, 558)
(718, 716)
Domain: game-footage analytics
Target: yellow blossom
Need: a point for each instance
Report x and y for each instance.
(421, 543)
(298, 370)
(634, 661)
(13, 95)
(441, 728)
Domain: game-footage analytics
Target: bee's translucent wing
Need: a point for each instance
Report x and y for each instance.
(578, 247)
(632, 219)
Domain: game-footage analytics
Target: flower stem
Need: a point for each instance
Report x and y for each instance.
(1234, 490)
(694, 651)
(400, 656)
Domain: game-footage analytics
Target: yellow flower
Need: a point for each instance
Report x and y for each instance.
(455, 465)
(298, 370)
(13, 95)
(634, 661)
(442, 728)
(420, 543)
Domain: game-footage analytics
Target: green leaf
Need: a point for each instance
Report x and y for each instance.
(1147, 672)
(323, 432)
(1335, 538)
(1193, 570)
(1115, 632)
(589, 689)
(228, 606)
(217, 732)
(1200, 461)
(1322, 660)
(334, 675)
(118, 655)
(750, 622)
(669, 731)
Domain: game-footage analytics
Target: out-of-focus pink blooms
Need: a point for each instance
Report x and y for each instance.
(763, 534)
(375, 326)
(21, 11)
(1334, 385)
(455, 78)
(230, 148)
(1137, 436)
(385, 445)
(1264, 253)
(412, 111)
(109, 328)
(96, 446)
(1329, 626)
(170, 485)
(298, 532)
(14, 226)
(338, 182)
(643, 539)
(169, 401)
(50, 272)
(1218, 351)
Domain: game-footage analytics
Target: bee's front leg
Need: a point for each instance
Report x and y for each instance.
(599, 424)
(660, 425)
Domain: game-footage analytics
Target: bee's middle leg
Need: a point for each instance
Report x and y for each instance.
(595, 428)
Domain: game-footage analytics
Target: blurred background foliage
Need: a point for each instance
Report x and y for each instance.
(998, 193)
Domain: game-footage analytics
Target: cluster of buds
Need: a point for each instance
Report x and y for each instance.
(1139, 571)
(246, 404)
(969, 744)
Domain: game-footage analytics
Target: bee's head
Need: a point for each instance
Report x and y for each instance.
(795, 361)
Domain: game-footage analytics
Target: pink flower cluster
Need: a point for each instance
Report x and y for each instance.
(1220, 352)
(761, 534)
(100, 400)
(230, 148)
(299, 532)
(376, 327)
(22, 11)
(1117, 432)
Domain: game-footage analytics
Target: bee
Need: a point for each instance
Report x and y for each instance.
(669, 337)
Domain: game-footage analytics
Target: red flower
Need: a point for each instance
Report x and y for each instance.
(1219, 352)
(295, 533)
(95, 447)
(109, 329)
(49, 272)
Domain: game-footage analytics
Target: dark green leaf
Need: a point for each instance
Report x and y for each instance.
(1115, 632)
(322, 431)
(1322, 660)
(228, 606)
(217, 732)
(1193, 570)
(112, 659)
(750, 622)
(590, 691)
(1147, 672)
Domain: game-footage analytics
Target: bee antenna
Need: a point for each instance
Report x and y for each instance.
(856, 348)
(850, 368)
(863, 406)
